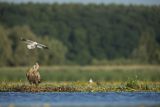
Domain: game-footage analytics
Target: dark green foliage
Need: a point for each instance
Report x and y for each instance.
(15, 53)
(89, 32)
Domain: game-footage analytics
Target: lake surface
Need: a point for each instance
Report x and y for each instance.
(80, 99)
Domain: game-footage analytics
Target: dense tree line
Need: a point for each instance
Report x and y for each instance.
(14, 52)
(79, 34)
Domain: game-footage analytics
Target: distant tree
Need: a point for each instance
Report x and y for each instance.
(5, 47)
(88, 32)
(56, 54)
(78, 41)
(20, 54)
(148, 50)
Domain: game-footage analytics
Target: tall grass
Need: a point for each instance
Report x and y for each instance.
(84, 73)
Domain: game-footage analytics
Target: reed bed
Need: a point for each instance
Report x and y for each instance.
(84, 73)
(76, 78)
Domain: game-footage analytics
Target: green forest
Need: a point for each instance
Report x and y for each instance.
(80, 34)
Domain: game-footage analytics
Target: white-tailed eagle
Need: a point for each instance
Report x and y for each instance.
(32, 44)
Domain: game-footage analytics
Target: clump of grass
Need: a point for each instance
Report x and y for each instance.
(132, 84)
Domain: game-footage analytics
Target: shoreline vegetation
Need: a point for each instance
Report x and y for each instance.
(76, 79)
(80, 86)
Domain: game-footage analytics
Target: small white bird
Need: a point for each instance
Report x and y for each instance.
(33, 44)
(90, 81)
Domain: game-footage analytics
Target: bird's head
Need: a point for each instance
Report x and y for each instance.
(37, 65)
(35, 43)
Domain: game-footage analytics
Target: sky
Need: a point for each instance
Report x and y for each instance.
(139, 2)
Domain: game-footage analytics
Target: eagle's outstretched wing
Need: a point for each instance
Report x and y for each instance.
(27, 41)
(42, 46)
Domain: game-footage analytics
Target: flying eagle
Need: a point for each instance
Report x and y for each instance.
(33, 44)
(33, 75)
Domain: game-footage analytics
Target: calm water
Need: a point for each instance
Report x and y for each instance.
(63, 99)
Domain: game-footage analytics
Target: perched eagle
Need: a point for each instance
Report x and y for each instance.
(33, 44)
(33, 75)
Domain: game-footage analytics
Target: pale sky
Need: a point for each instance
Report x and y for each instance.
(144, 2)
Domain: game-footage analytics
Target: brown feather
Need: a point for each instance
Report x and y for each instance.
(33, 75)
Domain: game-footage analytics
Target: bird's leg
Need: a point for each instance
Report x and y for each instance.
(36, 84)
